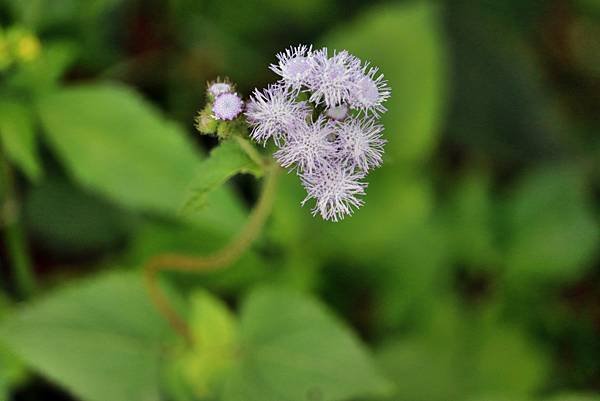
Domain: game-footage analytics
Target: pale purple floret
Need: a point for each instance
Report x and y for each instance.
(338, 113)
(309, 145)
(335, 189)
(218, 88)
(360, 142)
(332, 80)
(273, 113)
(371, 92)
(294, 66)
(227, 106)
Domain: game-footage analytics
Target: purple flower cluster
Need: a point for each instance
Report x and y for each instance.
(322, 115)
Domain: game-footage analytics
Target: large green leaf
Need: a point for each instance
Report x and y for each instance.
(116, 144)
(292, 349)
(99, 340)
(285, 347)
(17, 131)
(225, 161)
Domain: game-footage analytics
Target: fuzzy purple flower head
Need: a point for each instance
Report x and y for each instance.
(227, 106)
(274, 112)
(322, 115)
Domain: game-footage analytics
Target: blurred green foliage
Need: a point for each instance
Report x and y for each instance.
(471, 273)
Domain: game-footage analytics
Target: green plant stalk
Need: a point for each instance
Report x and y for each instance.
(220, 259)
(13, 233)
(251, 151)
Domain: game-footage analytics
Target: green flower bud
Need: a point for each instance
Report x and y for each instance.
(205, 122)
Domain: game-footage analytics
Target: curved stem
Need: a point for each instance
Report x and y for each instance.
(222, 258)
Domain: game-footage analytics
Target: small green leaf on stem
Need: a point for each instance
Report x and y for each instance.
(205, 122)
(225, 161)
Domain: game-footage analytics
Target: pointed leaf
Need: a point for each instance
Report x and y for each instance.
(116, 144)
(225, 161)
(293, 349)
(99, 340)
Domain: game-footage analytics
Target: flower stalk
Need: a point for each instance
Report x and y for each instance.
(218, 260)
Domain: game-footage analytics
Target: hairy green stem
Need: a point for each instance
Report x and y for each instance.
(251, 151)
(13, 233)
(220, 259)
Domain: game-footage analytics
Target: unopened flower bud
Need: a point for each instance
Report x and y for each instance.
(205, 122)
